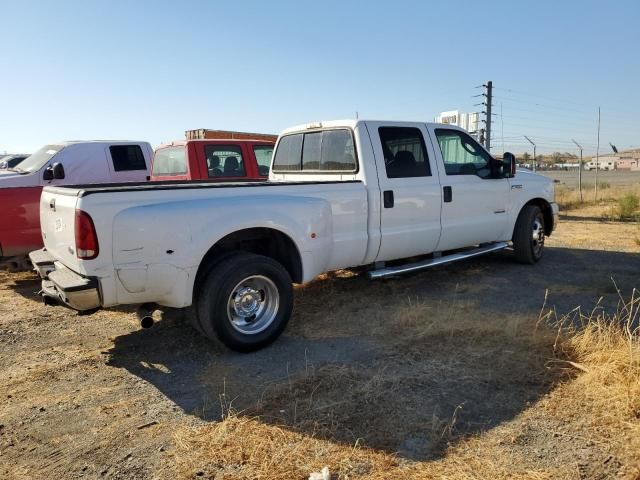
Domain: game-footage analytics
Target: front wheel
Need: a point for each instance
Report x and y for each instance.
(245, 301)
(528, 235)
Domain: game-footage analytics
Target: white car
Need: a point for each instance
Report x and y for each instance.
(340, 194)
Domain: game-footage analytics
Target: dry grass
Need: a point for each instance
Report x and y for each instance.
(606, 348)
(628, 207)
(568, 198)
(596, 402)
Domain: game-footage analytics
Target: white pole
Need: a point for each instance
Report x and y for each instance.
(597, 155)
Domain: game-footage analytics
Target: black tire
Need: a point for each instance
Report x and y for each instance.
(528, 235)
(259, 284)
(192, 311)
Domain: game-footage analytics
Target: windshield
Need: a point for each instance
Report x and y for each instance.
(39, 159)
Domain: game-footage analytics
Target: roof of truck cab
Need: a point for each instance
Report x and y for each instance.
(105, 142)
(352, 123)
(219, 141)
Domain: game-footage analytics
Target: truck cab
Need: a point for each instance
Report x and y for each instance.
(221, 160)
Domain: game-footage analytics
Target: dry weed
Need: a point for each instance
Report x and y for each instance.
(569, 198)
(598, 401)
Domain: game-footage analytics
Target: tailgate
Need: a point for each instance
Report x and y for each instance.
(57, 221)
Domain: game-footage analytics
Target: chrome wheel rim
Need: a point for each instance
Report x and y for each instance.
(537, 236)
(253, 304)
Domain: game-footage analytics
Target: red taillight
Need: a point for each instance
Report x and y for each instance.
(86, 237)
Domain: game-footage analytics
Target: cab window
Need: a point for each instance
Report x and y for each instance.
(404, 151)
(169, 161)
(127, 157)
(323, 151)
(224, 161)
(263, 155)
(462, 155)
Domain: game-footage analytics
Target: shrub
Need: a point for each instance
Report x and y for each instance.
(628, 206)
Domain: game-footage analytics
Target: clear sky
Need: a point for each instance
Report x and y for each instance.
(150, 70)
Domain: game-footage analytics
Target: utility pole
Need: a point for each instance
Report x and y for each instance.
(487, 103)
(579, 169)
(598, 155)
(534, 152)
(502, 128)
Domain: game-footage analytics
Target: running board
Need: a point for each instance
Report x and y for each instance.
(432, 262)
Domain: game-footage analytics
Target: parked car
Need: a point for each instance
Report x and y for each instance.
(601, 165)
(394, 197)
(66, 163)
(212, 159)
(11, 161)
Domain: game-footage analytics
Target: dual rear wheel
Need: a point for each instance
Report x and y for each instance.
(245, 300)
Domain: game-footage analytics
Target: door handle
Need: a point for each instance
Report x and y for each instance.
(387, 198)
(447, 194)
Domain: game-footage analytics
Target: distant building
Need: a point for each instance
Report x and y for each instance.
(628, 164)
(627, 160)
(203, 133)
(469, 121)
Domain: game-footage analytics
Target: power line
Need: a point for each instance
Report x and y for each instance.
(529, 94)
(538, 104)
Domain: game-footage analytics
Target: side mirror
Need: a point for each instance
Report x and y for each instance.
(508, 165)
(58, 171)
(48, 174)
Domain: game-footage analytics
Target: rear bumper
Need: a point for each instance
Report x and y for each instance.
(64, 285)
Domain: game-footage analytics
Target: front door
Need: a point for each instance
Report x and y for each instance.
(409, 190)
(474, 208)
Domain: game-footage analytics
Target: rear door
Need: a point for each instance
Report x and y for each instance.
(409, 189)
(474, 208)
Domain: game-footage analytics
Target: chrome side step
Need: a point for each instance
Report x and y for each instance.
(432, 262)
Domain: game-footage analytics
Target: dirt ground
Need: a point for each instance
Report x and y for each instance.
(406, 366)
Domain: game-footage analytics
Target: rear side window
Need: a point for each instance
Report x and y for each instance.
(263, 155)
(127, 157)
(170, 161)
(404, 151)
(325, 151)
(289, 154)
(224, 161)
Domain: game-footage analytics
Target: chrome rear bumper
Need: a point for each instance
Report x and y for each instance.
(64, 285)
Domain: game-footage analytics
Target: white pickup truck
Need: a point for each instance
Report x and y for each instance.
(392, 196)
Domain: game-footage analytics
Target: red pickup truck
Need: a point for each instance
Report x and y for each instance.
(212, 159)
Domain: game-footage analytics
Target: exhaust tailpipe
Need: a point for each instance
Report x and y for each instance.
(145, 315)
(50, 301)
